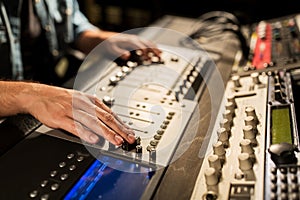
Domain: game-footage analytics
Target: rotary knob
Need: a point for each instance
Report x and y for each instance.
(215, 162)
(249, 132)
(225, 123)
(236, 81)
(250, 111)
(255, 78)
(245, 162)
(223, 136)
(231, 98)
(211, 176)
(219, 149)
(246, 146)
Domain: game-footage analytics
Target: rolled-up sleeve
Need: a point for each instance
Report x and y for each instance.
(80, 22)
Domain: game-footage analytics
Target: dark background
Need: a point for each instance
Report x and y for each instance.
(121, 15)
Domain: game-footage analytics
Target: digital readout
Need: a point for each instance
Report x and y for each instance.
(281, 125)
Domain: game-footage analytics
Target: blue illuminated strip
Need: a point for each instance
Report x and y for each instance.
(83, 187)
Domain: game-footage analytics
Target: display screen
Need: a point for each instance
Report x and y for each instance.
(281, 125)
(101, 181)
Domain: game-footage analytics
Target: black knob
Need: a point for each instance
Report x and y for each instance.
(283, 153)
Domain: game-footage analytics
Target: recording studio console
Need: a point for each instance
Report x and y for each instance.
(233, 167)
(155, 97)
(253, 150)
(273, 43)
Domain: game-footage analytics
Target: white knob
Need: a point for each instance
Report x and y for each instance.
(245, 162)
(219, 148)
(249, 132)
(255, 78)
(246, 146)
(236, 81)
(211, 176)
(215, 162)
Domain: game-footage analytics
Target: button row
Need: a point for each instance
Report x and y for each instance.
(57, 176)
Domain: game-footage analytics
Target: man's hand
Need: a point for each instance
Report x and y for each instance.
(78, 113)
(116, 44)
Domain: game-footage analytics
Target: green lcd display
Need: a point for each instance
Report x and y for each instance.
(281, 125)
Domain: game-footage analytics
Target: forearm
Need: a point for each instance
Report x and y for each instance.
(88, 40)
(10, 99)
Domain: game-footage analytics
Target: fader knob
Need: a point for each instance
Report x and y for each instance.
(245, 162)
(211, 176)
(236, 81)
(107, 100)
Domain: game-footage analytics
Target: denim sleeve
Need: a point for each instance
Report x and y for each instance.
(80, 22)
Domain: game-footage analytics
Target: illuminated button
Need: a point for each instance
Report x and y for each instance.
(53, 173)
(70, 156)
(54, 187)
(62, 164)
(211, 176)
(64, 177)
(236, 81)
(245, 162)
(44, 183)
(45, 197)
(72, 167)
(33, 194)
(80, 159)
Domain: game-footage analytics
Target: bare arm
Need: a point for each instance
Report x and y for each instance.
(116, 44)
(80, 114)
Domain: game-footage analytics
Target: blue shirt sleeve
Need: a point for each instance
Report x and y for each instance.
(80, 22)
